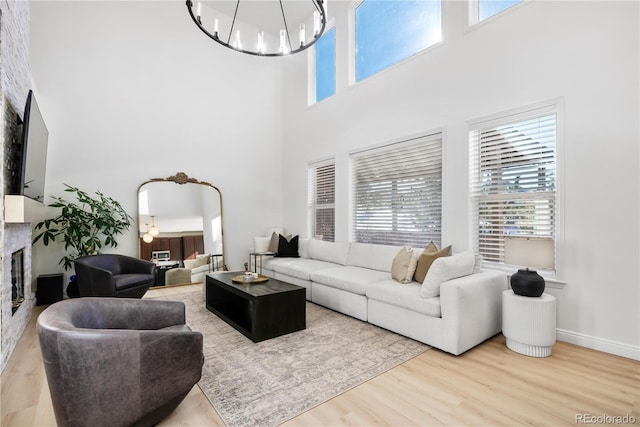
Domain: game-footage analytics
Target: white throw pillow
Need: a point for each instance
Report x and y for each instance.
(190, 263)
(446, 268)
(261, 244)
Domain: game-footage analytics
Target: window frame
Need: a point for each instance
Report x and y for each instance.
(553, 276)
(473, 10)
(312, 189)
(399, 144)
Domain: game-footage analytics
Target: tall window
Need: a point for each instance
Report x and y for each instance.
(513, 180)
(397, 193)
(480, 10)
(325, 65)
(322, 188)
(388, 31)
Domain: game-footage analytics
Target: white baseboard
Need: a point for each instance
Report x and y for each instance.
(600, 344)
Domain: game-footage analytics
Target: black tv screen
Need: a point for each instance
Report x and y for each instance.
(35, 138)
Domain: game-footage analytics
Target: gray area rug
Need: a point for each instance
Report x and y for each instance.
(270, 382)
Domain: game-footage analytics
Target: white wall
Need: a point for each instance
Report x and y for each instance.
(586, 53)
(133, 90)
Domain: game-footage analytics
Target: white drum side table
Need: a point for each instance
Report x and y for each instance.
(529, 323)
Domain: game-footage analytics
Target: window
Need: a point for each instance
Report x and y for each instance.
(389, 31)
(325, 65)
(322, 185)
(397, 193)
(483, 9)
(513, 181)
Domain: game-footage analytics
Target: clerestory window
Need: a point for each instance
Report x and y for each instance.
(388, 31)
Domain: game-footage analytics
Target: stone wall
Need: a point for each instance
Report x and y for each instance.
(15, 80)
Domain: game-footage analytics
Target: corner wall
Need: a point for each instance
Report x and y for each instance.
(585, 52)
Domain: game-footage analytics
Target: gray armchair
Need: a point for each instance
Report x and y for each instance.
(117, 362)
(113, 275)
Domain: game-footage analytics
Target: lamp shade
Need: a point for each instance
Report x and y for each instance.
(533, 252)
(529, 252)
(147, 238)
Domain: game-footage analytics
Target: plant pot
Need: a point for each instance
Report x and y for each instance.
(527, 283)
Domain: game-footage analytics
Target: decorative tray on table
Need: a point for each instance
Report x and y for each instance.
(248, 279)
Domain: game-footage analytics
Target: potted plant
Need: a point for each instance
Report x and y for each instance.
(86, 226)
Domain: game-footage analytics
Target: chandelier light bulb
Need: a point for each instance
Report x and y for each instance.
(147, 238)
(302, 35)
(215, 27)
(238, 43)
(260, 41)
(283, 41)
(316, 23)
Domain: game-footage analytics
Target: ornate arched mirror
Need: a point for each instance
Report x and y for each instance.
(180, 228)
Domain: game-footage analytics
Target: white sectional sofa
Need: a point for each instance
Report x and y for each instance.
(355, 279)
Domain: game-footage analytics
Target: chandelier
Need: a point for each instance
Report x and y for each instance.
(261, 27)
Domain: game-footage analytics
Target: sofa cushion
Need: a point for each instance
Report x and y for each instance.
(375, 257)
(348, 278)
(404, 296)
(296, 267)
(303, 247)
(446, 268)
(328, 251)
(404, 265)
(426, 258)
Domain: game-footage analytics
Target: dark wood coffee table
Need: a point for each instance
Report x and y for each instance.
(259, 311)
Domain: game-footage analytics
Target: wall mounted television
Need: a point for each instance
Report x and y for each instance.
(34, 139)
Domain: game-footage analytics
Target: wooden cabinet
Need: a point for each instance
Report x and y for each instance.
(181, 248)
(192, 246)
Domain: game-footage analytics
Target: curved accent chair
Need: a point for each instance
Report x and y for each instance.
(117, 362)
(113, 275)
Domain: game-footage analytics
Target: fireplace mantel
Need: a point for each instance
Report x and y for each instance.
(21, 210)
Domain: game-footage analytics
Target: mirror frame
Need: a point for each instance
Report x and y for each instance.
(182, 178)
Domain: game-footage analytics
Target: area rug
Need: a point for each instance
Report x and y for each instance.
(270, 382)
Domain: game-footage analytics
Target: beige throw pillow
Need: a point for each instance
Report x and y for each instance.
(404, 265)
(426, 258)
(273, 244)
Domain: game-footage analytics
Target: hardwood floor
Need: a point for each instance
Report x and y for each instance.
(486, 386)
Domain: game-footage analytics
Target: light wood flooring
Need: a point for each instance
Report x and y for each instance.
(486, 386)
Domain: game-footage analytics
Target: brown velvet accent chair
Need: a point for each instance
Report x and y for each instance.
(113, 275)
(118, 362)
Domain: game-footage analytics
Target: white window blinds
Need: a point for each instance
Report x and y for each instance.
(513, 180)
(322, 184)
(397, 193)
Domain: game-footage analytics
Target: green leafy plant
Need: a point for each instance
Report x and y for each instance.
(86, 226)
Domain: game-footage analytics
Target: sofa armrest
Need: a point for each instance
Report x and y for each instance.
(471, 309)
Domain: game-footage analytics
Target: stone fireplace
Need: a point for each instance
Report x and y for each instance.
(15, 78)
(17, 238)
